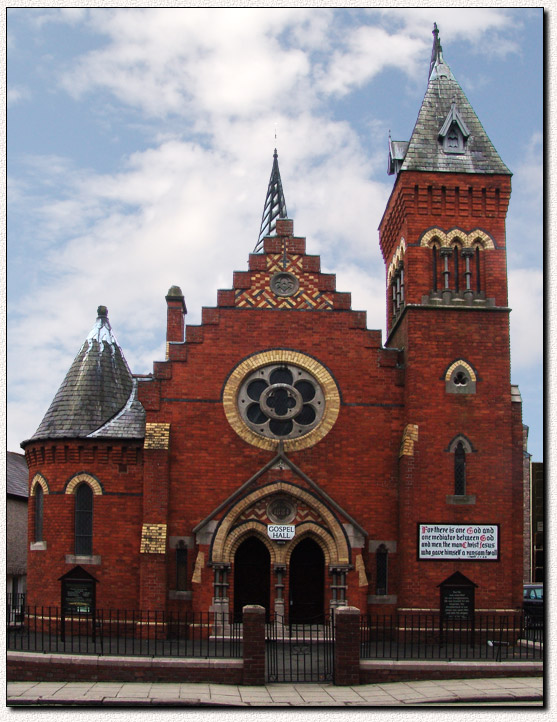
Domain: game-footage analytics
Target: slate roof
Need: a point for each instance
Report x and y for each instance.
(17, 474)
(425, 151)
(98, 397)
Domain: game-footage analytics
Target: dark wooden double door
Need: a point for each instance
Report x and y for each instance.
(252, 580)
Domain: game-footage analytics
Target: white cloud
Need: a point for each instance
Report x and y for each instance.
(17, 94)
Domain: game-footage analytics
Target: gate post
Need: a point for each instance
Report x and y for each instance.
(347, 646)
(254, 644)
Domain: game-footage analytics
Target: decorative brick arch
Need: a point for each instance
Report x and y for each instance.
(331, 538)
(39, 480)
(446, 239)
(463, 364)
(398, 256)
(241, 533)
(319, 535)
(84, 478)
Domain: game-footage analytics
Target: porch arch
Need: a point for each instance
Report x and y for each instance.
(331, 537)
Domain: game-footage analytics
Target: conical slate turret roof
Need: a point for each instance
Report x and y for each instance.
(98, 396)
(447, 112)
(275, 205)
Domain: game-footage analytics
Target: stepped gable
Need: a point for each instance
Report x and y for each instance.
(284, 277)
(98, 388)
(445, 107)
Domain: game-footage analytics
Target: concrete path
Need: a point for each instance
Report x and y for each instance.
(508, 690)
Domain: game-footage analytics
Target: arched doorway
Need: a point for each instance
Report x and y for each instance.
(252, 565)
(307, 581)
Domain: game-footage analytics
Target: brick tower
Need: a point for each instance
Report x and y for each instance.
(442, 237)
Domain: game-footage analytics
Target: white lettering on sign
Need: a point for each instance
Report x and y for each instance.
(458, 541)
(281, 531)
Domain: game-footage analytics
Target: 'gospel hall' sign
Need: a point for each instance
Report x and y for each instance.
(458, 541)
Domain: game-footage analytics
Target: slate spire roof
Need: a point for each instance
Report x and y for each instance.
(98, 396)
(275, 205)
(448, 135)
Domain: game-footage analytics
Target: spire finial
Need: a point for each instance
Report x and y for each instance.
(436, 51)
(275, 205)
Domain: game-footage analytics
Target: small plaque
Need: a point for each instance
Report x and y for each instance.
(281, 532)
(284, 284)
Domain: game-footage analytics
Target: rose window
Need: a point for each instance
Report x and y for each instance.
(281, 401)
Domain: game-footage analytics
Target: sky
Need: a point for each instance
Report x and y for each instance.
(140, 143)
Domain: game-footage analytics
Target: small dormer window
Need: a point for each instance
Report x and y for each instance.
(454, 140)
(454, 133)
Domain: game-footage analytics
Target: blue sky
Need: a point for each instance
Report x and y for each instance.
(140, 145)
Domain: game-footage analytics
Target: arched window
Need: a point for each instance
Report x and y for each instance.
(181, 567)
(434, 263)
(84, 520)
(460, 469)
(381, 566)
(456, 278)
(478, 279)
(39, 496)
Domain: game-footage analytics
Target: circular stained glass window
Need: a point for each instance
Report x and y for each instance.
(281, 401)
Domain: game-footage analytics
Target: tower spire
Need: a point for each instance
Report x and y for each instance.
(275, 205)
(436, 51)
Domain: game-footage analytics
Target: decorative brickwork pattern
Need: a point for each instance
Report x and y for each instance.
(465, 365)
(397, 258)
(153, 539)
(197, 571)
(88, 479)
(360, 568)
(157, 436)
(467, 239)
(409, 436)
(330, 536)
(309, 296)
(41, 481)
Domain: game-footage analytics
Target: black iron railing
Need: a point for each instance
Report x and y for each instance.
(428, 636)
(125, 632)
(15, 606)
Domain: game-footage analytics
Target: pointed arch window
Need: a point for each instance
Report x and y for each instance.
(460, 469)
(381, 569)
(83, 520)
(38, 513)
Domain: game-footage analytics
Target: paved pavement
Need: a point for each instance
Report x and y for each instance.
(504, 690)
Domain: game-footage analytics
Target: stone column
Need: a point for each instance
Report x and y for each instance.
(220, 596)
(280, 570)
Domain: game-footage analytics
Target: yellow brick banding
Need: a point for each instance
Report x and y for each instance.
(41, 481)
(199, 564)
(468, 239)
(409, 436)
(153, 539)
(79, 478)
(331, 539)
(465, 365)
(330, 393)
(157, 436)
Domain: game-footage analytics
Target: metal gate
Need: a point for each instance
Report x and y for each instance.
(299, 652)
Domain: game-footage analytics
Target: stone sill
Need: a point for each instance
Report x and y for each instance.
(460, 499)
(37, 546)
(83, 559)
(173, 594)
(382, 599)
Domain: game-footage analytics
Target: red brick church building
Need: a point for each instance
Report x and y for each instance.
(282, 454)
